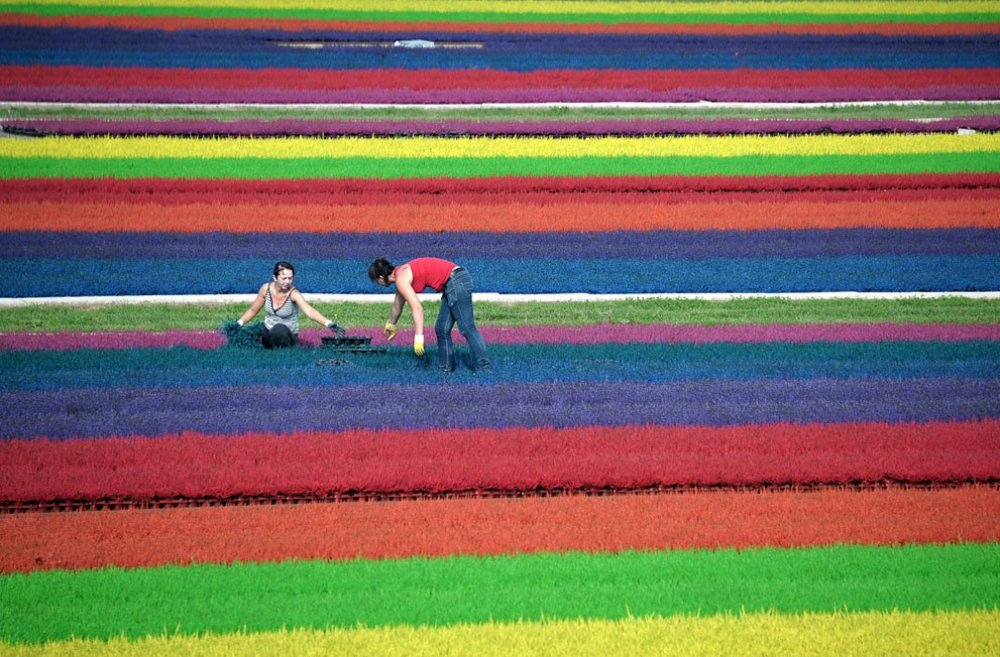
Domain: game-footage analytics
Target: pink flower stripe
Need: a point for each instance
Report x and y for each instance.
(404, 95)
(136, 84)
(595, 334)
(457, 80)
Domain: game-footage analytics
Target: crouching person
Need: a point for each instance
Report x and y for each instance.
(282, 302)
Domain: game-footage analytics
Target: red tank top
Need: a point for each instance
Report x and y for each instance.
(429, 272)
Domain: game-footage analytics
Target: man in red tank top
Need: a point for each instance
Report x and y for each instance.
(455, 284)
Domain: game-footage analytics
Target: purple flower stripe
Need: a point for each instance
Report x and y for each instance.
(535, 127)
(551, 47)
(461, 247)
(79, 93)
(257, 50)
(233, 410)
(596, 334)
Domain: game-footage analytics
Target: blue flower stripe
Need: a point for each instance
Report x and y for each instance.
(652, 363)
(133, 276)
(101, 47)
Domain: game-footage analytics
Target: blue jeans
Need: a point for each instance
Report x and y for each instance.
(456, 308)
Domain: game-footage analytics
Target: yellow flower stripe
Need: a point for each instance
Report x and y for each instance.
(608, 7)
(969, 634)
(489, 147)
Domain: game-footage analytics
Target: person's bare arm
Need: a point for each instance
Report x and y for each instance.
(307, 308)
(397, 308)
(255, 307)
(404, 290)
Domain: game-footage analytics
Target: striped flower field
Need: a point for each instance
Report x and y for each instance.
(737, 265)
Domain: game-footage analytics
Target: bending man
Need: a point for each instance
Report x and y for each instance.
(455, 284)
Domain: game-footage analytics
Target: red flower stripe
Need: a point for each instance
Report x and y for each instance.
(498, 215)
(138, 189)
(432, 528)
(502, 204)
(440, 461)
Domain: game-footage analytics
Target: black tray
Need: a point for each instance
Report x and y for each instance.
(354, 344)
(346, 341)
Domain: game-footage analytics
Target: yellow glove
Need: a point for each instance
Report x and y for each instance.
(390, 331)
(418, 345)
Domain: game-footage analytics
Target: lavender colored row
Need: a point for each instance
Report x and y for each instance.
(64, 414)
(206, 127)
(596, 334)
(688, 245)
(611, 93)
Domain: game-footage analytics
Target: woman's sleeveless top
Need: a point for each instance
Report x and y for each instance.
(287, 314)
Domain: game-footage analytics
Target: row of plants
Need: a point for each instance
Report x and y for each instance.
(259, 597)
(514, 460)
(542, 189)
(470, 149)
(739, 313)
(460, 246)
(554, 12)
(489, 525)
(501, 214)
(925, 112)
(284, 127)
(136, 84)
(812, 634)
(516, 363)
(537, 334)
(984, 161)
(236, 409)
(450, 208)
(645, 273)
(120, 18)
(335, 50)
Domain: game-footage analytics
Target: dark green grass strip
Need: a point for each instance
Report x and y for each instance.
(387, 168)
(45, 606)
(393, 113)
(164, 317)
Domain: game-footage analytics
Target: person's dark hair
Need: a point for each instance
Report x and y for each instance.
(380, 268)
(281, 264)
